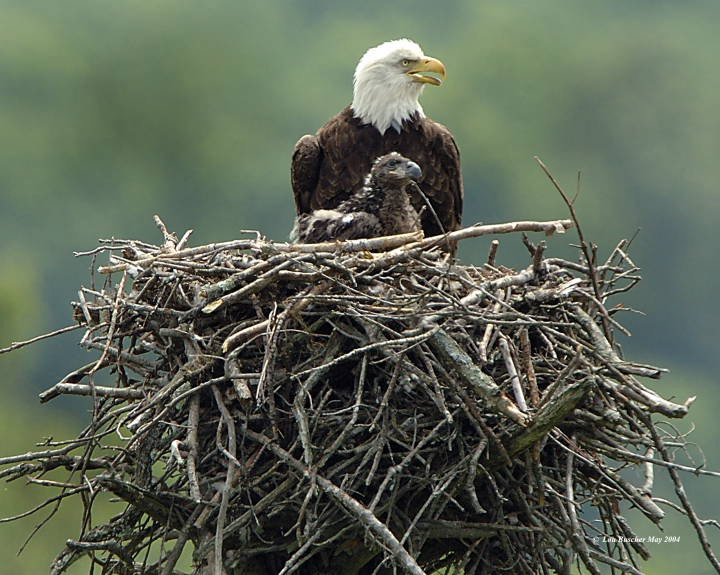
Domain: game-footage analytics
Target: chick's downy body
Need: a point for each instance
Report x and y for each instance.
(381, 208)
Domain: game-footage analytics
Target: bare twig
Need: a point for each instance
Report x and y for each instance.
(18, 344)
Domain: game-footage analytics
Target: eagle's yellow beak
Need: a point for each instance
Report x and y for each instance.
(427, 65)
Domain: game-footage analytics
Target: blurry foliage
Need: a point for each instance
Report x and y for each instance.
(21, 426)
(113, 111)
(20, 304)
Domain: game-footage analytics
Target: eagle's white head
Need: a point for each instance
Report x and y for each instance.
(388, 82)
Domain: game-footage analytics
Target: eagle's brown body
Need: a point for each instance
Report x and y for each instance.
(330, 166)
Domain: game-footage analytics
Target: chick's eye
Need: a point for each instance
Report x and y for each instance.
(392, 163)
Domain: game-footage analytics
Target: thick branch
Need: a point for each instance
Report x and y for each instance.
(362, 513)
(455, 359)
(550, 415)
(97, 390)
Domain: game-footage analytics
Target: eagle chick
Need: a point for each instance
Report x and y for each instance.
(381, 208)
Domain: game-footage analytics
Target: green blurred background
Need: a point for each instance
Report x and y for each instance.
(113, 111)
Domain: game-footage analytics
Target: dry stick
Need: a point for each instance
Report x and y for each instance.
(30, 456)
(352, 505)
(600, 343)
(430, 207)
(249, 515)
(631, 456)
(255, 511)
(576, 534)
(85, 310)
(384, 402)
(633, 540)
(454, 358)
(350, 426)
(680, 490)
(180, 254)
(477, 295)
(113, 325)
(303, 426)
(643, 502)
(415, 188)
(438, 397)
(397, 468)
(547, 417)
(45, 465)
(490, 327)
(292, 564)
(647, 486)
(494, 245)
(472, 474)
(18, 344)
(568, 371)
(275, 325)
(174, 556)
(603, 558)
(388, 242)
(602, 348)
(512, 372)
(215, 290)
(163, 507)
(109, 545)
(527, 366)
(433, 495)
(385, 260)
(134, 361)
(258, 285)
(192, 439)
(229, 478)
(169, 237)
(583, 243)
(619, 369)
(183, 240)
(406, 341)
(99, 250)
(45, 503)
(361, 245)
(531, 247)
(537, 258)
(549, 227)
(299, 303)
(444, 529)
(96, 390)
(139, 426)
(186, 390)
(604, 312)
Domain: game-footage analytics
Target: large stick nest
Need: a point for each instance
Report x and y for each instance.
(328, 409)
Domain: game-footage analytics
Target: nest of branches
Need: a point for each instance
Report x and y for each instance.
(360, 407)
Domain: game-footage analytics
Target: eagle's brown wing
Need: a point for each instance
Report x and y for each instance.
(329, 167)
(442, 181)
(349, 149)
(304, 171)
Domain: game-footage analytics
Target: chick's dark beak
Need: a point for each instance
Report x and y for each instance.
(413, 171)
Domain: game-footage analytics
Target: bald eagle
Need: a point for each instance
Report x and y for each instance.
(380, 208)
(385, 115)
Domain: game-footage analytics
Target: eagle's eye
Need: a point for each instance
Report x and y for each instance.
(405, 62)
